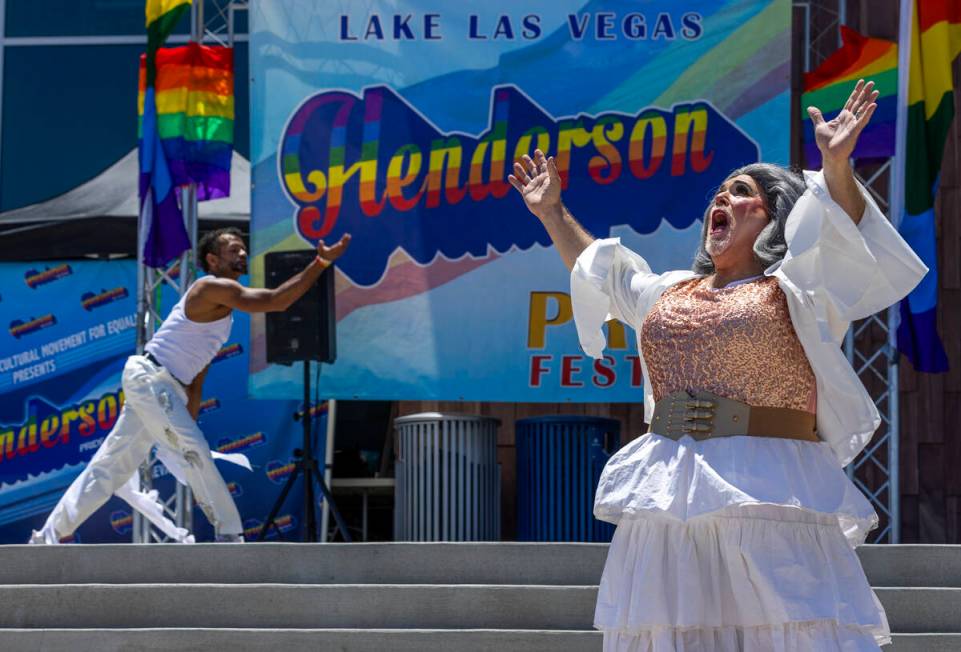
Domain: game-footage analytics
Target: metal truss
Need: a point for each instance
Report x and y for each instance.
(217, 20)
(178, 275)
(871, 348)
(870, 344)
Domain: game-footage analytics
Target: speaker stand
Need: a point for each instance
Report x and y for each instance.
(305, 463)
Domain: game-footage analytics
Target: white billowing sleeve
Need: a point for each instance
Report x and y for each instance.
(851, 270)
(608, 281)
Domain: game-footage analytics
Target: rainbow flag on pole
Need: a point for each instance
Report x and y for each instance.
(162, 18)
(829, 86)
(935, 42)
(160, 216)
(194, 96)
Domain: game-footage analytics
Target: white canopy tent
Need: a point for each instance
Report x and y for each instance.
(100, 215)
(113, 193)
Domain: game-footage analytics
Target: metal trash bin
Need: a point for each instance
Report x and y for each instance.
(559, 463)
(447, 478)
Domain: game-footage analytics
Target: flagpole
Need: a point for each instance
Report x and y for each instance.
(896, 209)
(901, 126)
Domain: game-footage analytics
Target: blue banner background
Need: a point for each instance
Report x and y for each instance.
(398, 122)
(74, 389)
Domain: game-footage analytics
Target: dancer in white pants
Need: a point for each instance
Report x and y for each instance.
(163, 389)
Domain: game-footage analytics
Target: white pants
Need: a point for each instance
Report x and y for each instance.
(154, 413)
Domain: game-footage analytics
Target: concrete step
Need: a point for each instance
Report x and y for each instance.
(394, 606)
(924, 643)
(927, 610)
(352, 640)
(282, 606)
(912, 565)
(329, 640)
(393, 563)
(297, 563)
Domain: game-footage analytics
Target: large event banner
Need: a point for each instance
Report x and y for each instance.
(398, 122)
(68, 328)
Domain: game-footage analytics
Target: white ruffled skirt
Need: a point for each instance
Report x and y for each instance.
(739, 544)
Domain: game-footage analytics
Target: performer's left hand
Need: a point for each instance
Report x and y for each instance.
(836, 138)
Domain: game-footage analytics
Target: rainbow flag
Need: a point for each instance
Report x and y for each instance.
(935, 43)
(829, 86)
(194, 88)
(160, 216)
(162, 18)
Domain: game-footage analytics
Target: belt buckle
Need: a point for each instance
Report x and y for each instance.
(698, 409)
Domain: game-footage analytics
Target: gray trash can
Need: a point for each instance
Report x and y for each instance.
(448, 479)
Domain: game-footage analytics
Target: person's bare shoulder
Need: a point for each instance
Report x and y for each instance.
(213, 290)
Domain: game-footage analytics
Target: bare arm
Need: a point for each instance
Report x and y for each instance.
(539, 184)
(195, 393)
(569, 237)
(843, 188)
(230, 293)
(836, 139)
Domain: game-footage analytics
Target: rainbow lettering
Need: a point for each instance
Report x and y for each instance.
(277, 472)
(228, 351)
(35, 279)
(50, 427)
(241, 444)
(19, 328)
(209, 405)
(90, 300)
(252, 527)
(121, 522)
(345, 159)
(318, 410)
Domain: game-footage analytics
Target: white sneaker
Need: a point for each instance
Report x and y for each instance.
(36, 538)
(44, 536)
(229, 538)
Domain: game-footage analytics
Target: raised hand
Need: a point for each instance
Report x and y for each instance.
(335, 251)
(836, 138)
(538, 183)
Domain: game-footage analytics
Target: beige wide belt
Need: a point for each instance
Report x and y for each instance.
(703, 415)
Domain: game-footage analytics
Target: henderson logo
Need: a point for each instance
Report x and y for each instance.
(209, 405)
(121, 522)
(253, 526)
(228, 351)
(54, 426)
(35, 279)
(91, 300)
(241, 444)
(278, 472)
(345, 159)
(19, 327)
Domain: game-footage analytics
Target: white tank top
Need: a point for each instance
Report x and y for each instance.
(185, 347)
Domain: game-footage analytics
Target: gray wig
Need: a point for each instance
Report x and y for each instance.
(782, 187)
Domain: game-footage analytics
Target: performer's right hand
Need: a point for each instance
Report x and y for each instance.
(538, 183)
(333, 252)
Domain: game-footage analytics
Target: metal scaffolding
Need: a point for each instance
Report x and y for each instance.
(178, 275)
(870, 344)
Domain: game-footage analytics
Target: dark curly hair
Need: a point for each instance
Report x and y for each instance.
(210, 244)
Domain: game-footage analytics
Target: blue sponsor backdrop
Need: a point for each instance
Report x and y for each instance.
(67, 328)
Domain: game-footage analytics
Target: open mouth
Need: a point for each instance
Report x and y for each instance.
(719, 222)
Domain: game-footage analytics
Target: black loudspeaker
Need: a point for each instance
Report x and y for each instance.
(306, 330)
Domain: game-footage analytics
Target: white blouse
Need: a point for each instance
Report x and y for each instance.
(835, 271)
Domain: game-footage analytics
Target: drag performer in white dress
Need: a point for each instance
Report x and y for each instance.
(162, 395)
(736, 524)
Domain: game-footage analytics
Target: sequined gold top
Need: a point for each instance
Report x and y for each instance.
(737, 342)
